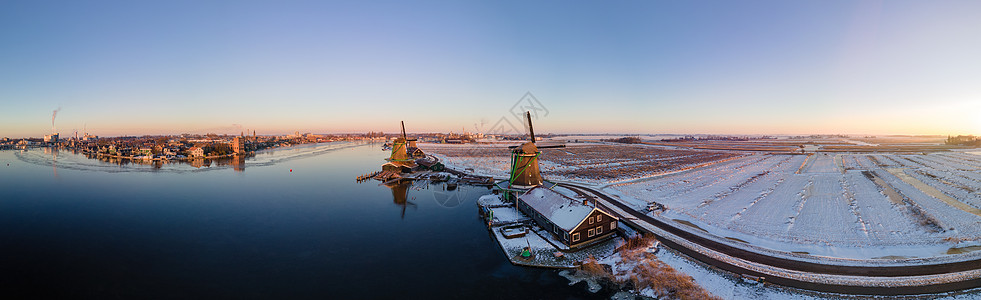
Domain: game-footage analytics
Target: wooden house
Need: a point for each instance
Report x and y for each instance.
(573, 222)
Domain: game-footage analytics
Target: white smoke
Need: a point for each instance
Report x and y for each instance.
(54, 114)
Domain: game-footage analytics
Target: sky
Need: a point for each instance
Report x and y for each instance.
(721, 67)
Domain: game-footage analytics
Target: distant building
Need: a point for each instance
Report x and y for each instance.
(572, 222)
(51, 138)
(196, 151)
(238, 144)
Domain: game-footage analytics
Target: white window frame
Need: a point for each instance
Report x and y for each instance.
(591, 232)
(613, 226)
(599, 230)
(599, 218)
(590, 220)
(575, 237)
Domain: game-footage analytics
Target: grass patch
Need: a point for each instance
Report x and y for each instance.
(641, 270)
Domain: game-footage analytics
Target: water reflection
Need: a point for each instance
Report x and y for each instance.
(237, 162)
(54, 159)
(400, 194)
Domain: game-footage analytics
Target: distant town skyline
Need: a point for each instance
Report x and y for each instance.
(277, 67)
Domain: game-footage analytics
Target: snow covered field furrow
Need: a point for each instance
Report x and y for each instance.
(760, 200)
(668, 190)
(853, 206)
(964, 158)
(825, 216)
(912, 161)
(865, 162)
(772, 214)
(969, 180)
(943, 163)
(960, 188)
(973, 165)
(881, 161)
(851, 162)
(972, 175)
(885, 222)
(724, 180)
(721, 211)
(731, 204)
(900, 162)
(948, 217)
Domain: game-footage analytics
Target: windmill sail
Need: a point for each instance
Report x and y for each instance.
(411, 142)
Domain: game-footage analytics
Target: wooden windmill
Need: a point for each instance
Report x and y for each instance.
(399, 147)
(525, 172)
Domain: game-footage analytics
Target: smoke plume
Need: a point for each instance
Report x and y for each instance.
(54, 114)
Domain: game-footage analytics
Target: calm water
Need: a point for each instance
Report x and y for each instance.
(81, 228)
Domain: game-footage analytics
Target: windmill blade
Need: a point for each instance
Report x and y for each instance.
(403, 129)
(531, 130)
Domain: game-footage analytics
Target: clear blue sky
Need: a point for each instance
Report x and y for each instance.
(730, 67)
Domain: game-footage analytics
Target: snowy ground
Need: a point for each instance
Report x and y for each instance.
(581, 162)
(836, 205)
(542, 244)
(847, 208)
(729, 286)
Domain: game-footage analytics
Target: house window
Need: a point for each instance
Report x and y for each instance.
(599, 229)
(575, 237)
(591, 232)
(613, 225)
(599, 218)
(590, 220)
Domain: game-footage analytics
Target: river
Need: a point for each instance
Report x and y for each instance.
(288, 223)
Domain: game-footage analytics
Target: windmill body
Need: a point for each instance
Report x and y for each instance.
(525, 172)
(524, 167)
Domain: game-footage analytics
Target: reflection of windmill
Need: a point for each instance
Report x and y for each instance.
(451, 199)
(400, 194)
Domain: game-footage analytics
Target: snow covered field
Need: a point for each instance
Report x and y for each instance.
(582, 162)
(860, 206)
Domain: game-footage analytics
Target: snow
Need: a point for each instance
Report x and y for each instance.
(490, 200)
(506, 214)
(731, 286)
(543, 249)
(828, 209)
(769, 271)
(563, 211)
(821, 163)
(585, 163)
